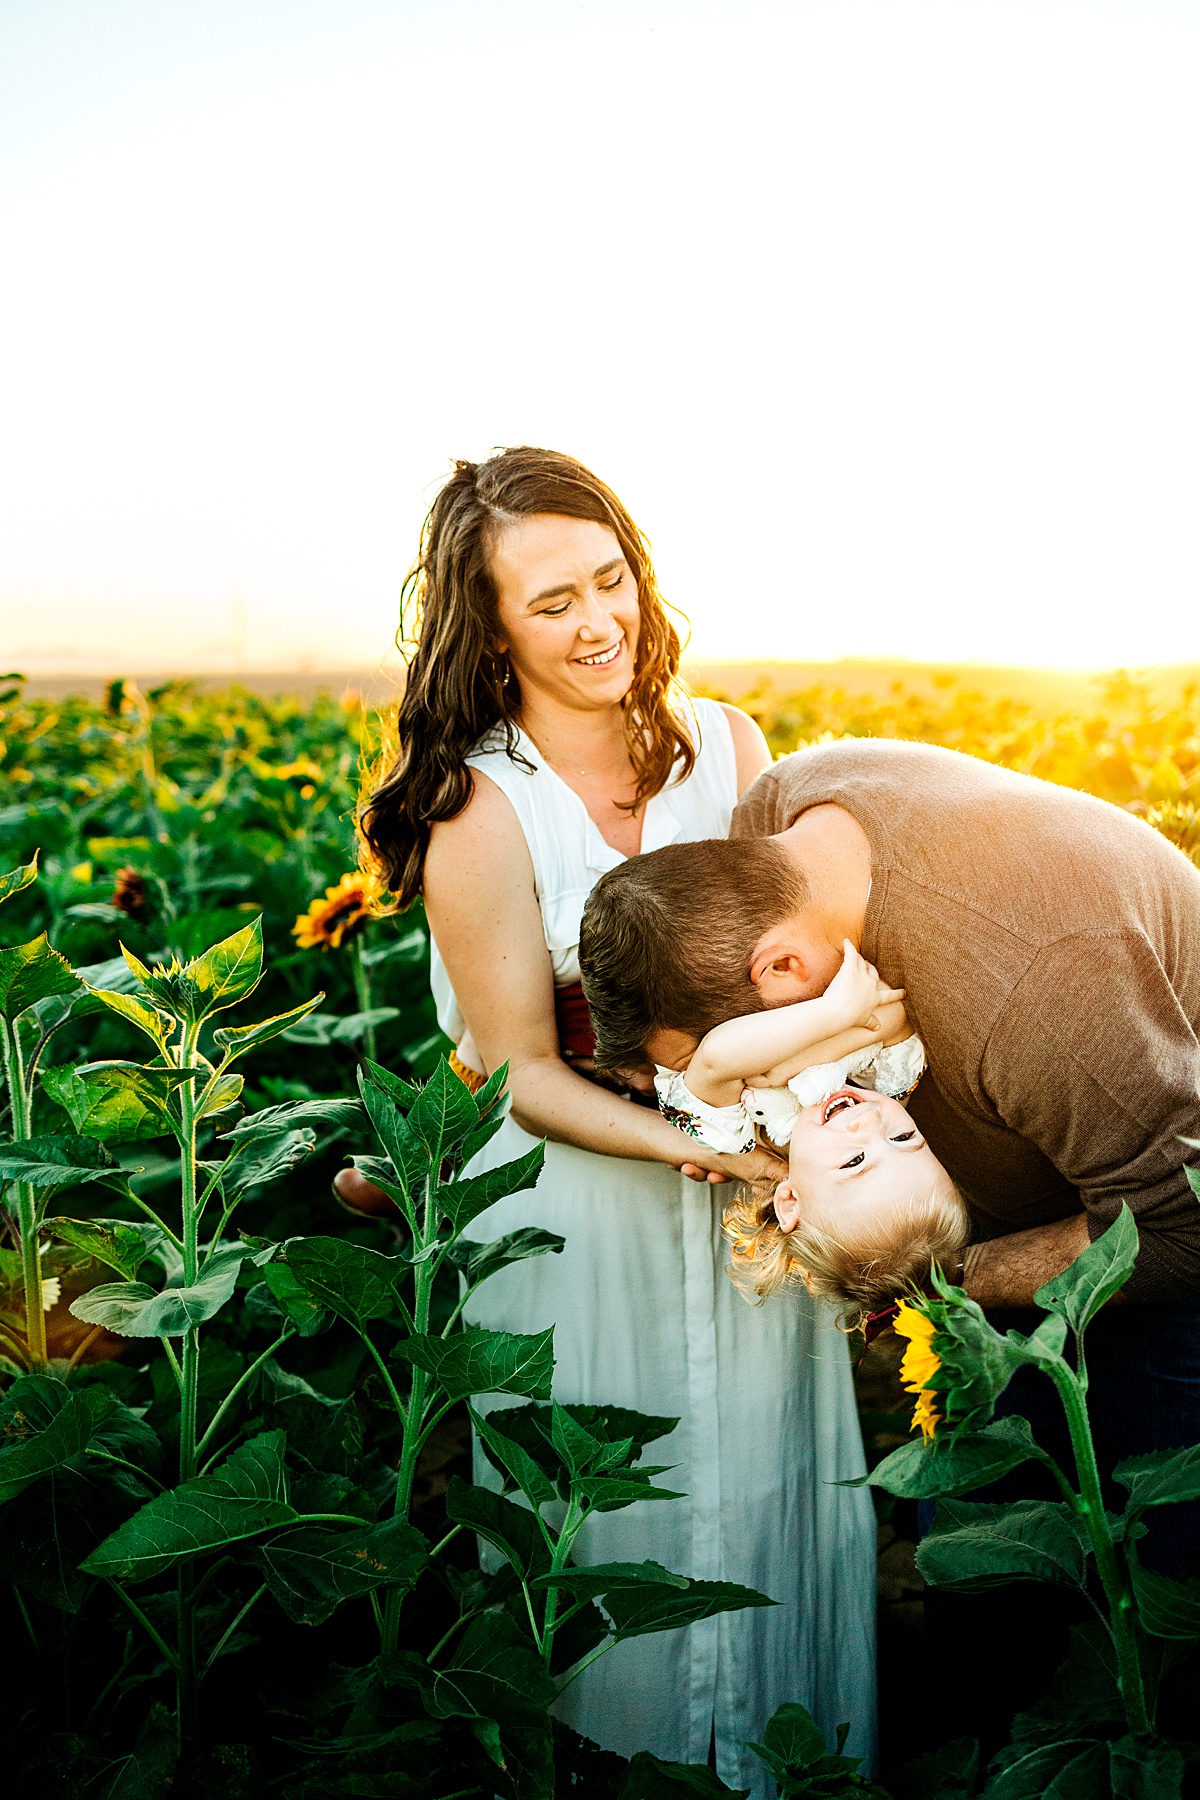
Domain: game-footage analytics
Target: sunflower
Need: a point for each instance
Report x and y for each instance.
(129, 894)
(920, 1363)
(343, 911)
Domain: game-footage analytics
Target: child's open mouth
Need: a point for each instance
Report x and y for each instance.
(836, 1104)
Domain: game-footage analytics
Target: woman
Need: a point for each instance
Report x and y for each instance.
(543, 739)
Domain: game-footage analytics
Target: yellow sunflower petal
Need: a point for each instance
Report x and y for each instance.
(926, 1415)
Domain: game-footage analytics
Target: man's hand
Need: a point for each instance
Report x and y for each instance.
(857, 990)
(1008, 1271)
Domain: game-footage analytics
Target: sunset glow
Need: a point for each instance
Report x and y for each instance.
(881, 318)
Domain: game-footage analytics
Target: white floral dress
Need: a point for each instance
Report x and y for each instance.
(646, 1317)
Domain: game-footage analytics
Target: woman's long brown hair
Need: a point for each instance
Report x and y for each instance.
(459, 687)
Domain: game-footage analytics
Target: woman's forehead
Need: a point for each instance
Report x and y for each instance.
(548, 550)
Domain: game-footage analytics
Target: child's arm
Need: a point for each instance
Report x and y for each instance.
(758, 1046)
(890, 1026)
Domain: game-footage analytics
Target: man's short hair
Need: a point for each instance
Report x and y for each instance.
(667, 939)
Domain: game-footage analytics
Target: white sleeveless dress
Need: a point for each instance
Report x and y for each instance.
(646, 1317)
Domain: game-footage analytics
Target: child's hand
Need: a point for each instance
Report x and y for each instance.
(857, 990)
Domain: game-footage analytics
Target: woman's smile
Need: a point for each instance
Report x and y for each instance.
(600, 659)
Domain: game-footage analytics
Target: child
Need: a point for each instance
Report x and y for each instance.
(866, 1207)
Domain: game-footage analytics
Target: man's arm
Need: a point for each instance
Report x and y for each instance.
(1095, 1061)
(1008, 1271)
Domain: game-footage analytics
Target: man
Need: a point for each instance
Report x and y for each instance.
(1049, 944)
(1050, 948)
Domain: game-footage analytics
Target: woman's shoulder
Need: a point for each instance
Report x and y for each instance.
(739, 735)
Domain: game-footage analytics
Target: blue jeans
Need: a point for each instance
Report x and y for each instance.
(1143, 1394)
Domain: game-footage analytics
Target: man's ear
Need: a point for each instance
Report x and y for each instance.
(787, 1207)
(781, 972)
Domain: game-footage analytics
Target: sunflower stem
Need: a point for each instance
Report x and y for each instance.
(362, 989)
(31, 1266)
(1113, 1577)
(187, 1672)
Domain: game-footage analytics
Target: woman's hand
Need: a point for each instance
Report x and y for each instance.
(750, 1165)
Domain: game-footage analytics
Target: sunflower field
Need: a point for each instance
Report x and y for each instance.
(235, 1481)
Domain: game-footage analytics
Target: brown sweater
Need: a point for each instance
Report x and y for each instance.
(1050, 946)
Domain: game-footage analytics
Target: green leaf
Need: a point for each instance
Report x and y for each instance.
(604, 1493)
(246, 1495)
(229, 971)
(1145, 1769)
(476, 1361)
(972, 1459)
(237, 1039)
(494, 1674)
(1083, 1698)
(1095, 1276)
(310, 1570)
(392, 1087)
(148, 1772)
(1032, 1776)
(511, 1529)
(330, 1028)
(1045, 1345)
(273, 1121)
(443, 1113)
(115, 1243)
(291, 1300)
(1162, 1478)
(43, 1425)
(135, 1011)
(354, 1283)
(573, 1441)
(512, 1459)
(793, 1737)
(648, 1607)
(462, 1201)
(133, 1310)
(379, 1169)
(407, 949)
(218, 1096)
(476, 1262)
(612, 1578)
(265, 1160)
(974, 1545)
(60, 1162)
(946, 1774)
(16, 879)
(650, 1778)
(31, 972)
(116, 1101)
(405, 1152)
(1166, 1608)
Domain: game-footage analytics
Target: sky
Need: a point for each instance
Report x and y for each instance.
(880, 316)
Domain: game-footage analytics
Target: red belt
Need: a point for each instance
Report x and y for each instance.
(575, 1034)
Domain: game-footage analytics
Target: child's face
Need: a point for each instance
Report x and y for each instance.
(854, 1151)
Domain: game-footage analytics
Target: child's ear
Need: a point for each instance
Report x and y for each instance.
(787, 1207)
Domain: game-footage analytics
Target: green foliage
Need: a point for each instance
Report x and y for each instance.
(967, 1460)
(247, 1495)
(276, 1496)
(1094, 1736)
(972, 1545)
(1095, 1275)
(795, 1752)
(44, 1426)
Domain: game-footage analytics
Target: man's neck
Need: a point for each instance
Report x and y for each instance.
(832, 852)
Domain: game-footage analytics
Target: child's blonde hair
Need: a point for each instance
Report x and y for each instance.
(842, 1263)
